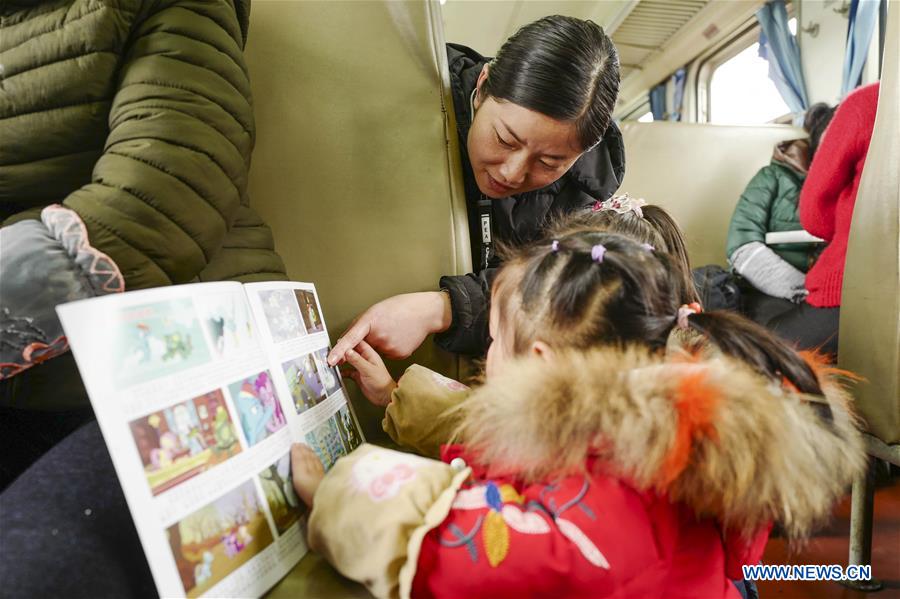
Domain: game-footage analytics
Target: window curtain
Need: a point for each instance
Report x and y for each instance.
(678, 96)
(658, 102)
(778, 46)
(863, 17)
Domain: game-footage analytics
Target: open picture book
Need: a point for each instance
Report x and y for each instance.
(199, 391)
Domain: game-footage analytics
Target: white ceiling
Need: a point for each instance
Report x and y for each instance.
(654, 37)
(485, 24)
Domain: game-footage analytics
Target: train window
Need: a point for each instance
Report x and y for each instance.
(640, 113)
(739, 89)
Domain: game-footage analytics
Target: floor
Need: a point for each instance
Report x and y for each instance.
(831, 546)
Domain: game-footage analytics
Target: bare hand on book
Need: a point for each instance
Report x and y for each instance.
(306, 472)
(396, 326)
(370, 373)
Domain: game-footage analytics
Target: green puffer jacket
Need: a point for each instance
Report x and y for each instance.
(126, 128)
(769, 204)
(137, 115)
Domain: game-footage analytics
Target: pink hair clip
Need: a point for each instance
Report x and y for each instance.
(621, 204)
(554, 246)
(686, 310)
(597, 253)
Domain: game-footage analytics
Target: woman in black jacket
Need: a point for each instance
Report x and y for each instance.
(537, 140)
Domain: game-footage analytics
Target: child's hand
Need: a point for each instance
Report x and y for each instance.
(370, 374)
(306, 472)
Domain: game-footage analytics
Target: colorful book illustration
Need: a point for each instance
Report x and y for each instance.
(200, 391)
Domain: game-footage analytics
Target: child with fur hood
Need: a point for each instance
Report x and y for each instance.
(591, 463)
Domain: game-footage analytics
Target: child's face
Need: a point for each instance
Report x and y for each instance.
(500, 350)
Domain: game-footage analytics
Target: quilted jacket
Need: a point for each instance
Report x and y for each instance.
(126, 129)
(769, 204)
(137, 115)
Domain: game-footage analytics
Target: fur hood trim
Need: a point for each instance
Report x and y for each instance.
(712, 434)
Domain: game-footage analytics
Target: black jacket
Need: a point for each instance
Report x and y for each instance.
(518, 219)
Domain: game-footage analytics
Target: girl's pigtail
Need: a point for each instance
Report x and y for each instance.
(758, 347)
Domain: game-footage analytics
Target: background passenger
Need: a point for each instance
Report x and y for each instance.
(536, 140)
(599, 467)
(769, 204)
(826, 209)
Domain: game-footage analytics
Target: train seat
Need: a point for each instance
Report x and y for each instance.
(356, 168)
(697, 172)
(869, 339)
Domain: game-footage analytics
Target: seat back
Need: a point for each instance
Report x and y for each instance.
(697, 172)
(869, 341)
(356, 166)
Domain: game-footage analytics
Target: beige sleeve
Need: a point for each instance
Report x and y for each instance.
(417, 416)
(373, 510)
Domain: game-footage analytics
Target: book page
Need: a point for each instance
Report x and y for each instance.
(785, 237)
(184, 393)
(312, 394)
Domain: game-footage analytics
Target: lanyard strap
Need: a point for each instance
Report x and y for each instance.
(487, 237)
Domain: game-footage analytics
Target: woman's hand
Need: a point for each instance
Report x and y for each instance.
(370, 373)
(306, 472)
(397, 326)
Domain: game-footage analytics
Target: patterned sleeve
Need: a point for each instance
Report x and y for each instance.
(372, 511)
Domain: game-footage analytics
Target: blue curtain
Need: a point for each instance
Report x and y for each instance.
(678, 98)
(779, 47)
(658, 102)
(863, 16)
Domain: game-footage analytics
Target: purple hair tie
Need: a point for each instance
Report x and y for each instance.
(554, 247)
(597, 253)
(648, 247)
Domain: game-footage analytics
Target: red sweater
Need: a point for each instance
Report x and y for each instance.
(829, 193)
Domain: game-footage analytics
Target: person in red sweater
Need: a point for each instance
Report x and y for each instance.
(826, 208)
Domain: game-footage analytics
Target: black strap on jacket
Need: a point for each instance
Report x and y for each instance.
(487, 236)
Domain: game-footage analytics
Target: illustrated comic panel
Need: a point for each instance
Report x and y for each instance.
(257, 407)
(325, 440)
(284, 505)
(219, 538)
(184, 440)
(226, 319)
(156, 340)
(309, 309)
(346, 424)
(331, 377)
(304, 382)
(282, 314)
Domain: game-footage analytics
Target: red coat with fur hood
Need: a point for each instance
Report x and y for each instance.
(612, 474)
(580, 536)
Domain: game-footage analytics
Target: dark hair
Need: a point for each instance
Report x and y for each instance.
(630, 296)
(656, 227)
(816, 120)
(562, 67)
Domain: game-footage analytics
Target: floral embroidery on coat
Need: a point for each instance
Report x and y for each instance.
(504, 512)
(381, 474)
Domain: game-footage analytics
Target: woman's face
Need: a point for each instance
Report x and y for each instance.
(513, 149)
